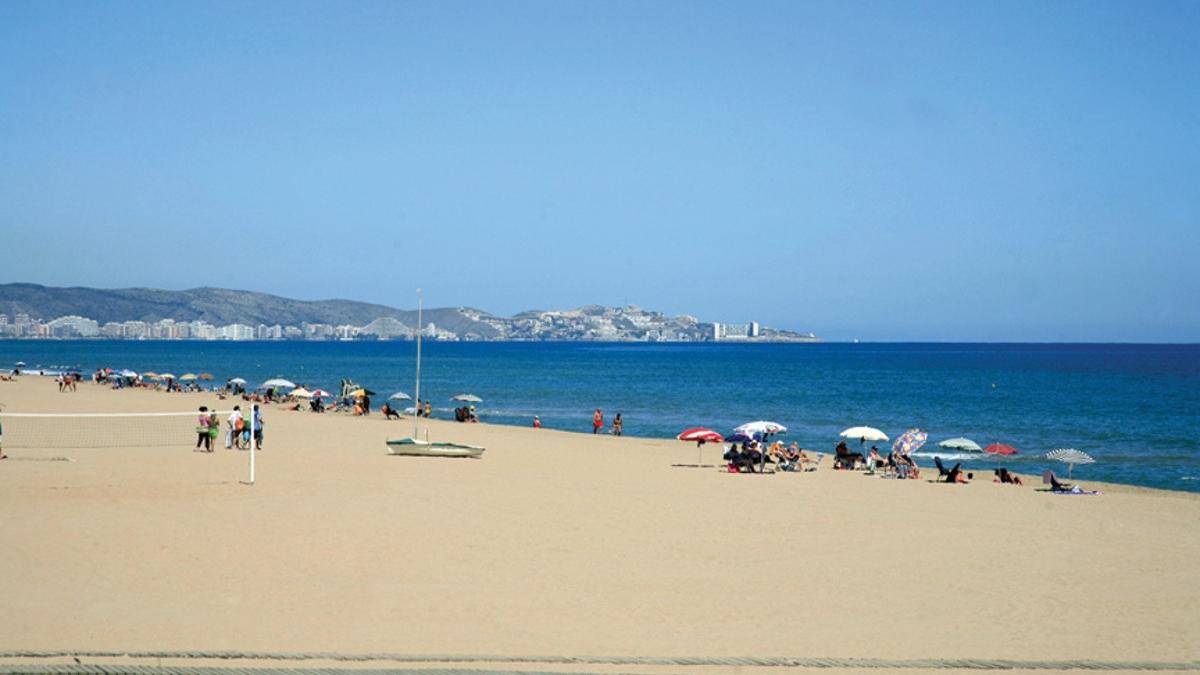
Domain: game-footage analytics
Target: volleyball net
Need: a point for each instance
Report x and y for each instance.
(99, 430)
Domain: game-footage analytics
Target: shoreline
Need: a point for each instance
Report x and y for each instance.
(1032, 481)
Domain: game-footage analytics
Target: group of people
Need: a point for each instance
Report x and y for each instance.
(465, 414)
(752, 456)
(598, 423)
(238, 433)
(903, 465)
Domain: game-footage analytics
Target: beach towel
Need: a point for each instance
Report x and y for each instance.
(1076, 490)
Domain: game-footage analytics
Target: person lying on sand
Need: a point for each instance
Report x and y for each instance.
(1003, 476)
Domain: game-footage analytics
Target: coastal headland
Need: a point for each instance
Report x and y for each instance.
(565, 544)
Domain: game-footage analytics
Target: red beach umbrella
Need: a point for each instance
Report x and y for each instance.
(700, 435)
(1000, 449)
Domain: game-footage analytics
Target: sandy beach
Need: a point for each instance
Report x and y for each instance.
(565, 544)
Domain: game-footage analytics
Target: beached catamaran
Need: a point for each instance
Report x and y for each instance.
(414, 446)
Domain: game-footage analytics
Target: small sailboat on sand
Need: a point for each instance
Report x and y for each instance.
(414, 446)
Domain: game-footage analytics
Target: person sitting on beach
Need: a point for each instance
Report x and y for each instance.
(358, 409)
(845, 459)
(875, 460)
(389, 412)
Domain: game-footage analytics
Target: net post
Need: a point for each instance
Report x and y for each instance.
(253, 439)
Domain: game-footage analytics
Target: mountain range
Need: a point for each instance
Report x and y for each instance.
(221, 306)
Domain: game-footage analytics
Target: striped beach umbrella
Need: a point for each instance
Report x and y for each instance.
(700, 435)
(1070, 457)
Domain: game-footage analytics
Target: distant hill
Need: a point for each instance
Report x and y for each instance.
(218, 306)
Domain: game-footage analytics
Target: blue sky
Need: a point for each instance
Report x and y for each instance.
(885, 171)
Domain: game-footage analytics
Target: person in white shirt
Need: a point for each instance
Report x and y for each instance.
(234, 435)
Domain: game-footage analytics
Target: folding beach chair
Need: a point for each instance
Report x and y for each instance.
(1048, 478)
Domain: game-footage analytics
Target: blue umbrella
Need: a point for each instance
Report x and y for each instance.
(739, 437)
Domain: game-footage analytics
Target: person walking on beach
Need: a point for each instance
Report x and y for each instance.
(597, 421)
(256, 421)
(202, 437)
(617, 424)
(234, 435)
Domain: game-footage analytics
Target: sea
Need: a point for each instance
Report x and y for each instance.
(1134, 408)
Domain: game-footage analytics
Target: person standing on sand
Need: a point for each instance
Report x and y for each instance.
(617, 425)
(597, 421)
(537, 423)
(428, 409)
(202, 438)
(257, 423)
(235, 428)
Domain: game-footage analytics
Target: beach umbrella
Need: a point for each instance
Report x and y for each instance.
(206, 376)
(363, 391)
(150, 375)
(278, 382)
(237, 380)
(187, 377)
(910, 441)
(739, 437)
(864, 434)
(466, 398)
(1071, 457)
(166, 376)
(19, 363)
(761, 427)
(301, 392)
(963, 444)
(1000, 449)
(399, 396)
(320, 393)
(700, 435)
(128, 373)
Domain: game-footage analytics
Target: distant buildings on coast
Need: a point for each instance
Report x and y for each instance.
(592, 323)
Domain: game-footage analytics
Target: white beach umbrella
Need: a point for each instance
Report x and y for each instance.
(166, 376)
(1071, 457)
(128, 373)
(237, 380)
(301, 392)
(963, 444)
(864, 434)
(399, 396)
(760, 427)
(466, 398)
(279, 382)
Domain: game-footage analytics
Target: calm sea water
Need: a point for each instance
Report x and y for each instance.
(1135, 408)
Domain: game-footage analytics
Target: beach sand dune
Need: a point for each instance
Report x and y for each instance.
(565, 544)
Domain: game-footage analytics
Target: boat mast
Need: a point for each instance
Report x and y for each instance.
(417, 408)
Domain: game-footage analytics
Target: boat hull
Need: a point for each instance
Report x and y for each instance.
(418, 448)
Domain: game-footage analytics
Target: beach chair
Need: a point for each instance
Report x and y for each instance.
(942, 470)
(1048, 478)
